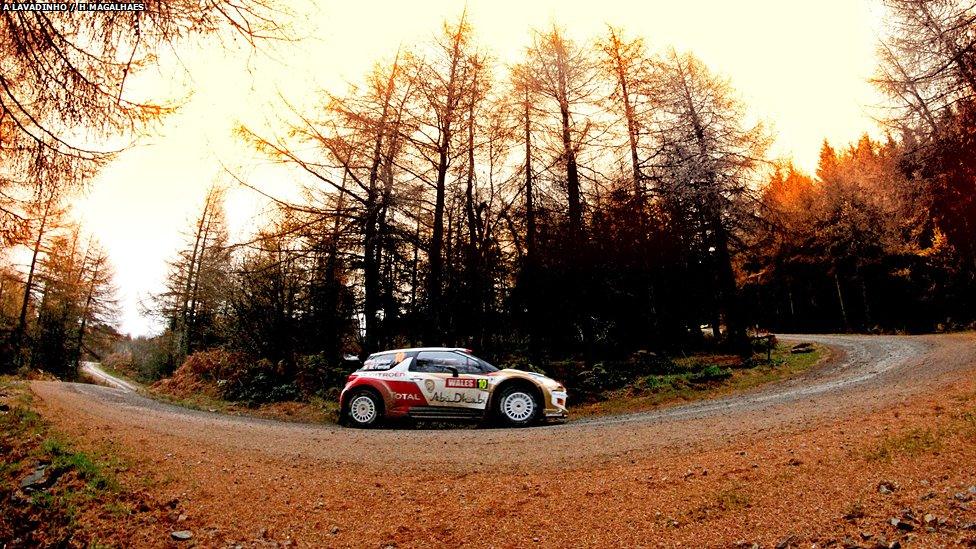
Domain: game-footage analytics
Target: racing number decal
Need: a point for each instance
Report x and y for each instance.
(462, 392)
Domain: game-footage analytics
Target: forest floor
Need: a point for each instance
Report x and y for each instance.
(872, 449)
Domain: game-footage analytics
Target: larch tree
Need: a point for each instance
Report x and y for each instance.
(564, 86)
(195, 294)
(446, 74)
(63, 93)
(76, 303)
(711, 159)
(627, 64)
(350, 152)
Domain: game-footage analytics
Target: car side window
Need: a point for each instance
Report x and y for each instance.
(439, 362)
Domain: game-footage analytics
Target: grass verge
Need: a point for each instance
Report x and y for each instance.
(919, 441)
(316, 410)
(702, 376)
(51, 493)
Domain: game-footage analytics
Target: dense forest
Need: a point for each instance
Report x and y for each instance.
(594, 200)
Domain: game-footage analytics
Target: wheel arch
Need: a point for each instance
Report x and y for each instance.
(363, 387)
(517, 382)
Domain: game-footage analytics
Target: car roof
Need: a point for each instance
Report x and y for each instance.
(417, 349)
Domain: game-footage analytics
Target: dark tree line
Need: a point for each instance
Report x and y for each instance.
(585, 203)
(882, 237)
(591, 200)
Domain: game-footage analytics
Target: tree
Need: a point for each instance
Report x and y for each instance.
(62, 83)
(195, 296)
(450, 79)
(627, 64)
(928, 70)
(563, 81)
(352, 164)
(928, 60)
(76, 304)
(711, 157)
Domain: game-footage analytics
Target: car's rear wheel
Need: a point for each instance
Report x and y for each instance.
(365, 409)
(517, 406)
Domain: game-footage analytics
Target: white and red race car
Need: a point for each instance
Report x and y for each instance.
(446, 383)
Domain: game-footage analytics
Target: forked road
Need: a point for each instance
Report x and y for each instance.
(864, 373)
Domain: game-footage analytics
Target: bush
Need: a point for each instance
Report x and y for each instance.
(208, 372)
(519, 362)
(145, 359)
(229, 375)
(317, 375)
(644, 363)
(260, 382)
(763, 345)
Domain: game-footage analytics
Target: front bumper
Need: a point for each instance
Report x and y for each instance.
(556, 408)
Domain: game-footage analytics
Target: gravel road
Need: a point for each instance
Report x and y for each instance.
(864, 372)
(786, 461)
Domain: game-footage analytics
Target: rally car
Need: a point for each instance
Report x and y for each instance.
(446, 383)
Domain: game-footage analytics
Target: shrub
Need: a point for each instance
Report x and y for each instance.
(710, 373)
(257, 382)
(644, 363)
(318, 375)
(211, 372)
(520, 362)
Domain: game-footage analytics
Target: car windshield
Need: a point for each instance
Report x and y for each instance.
(485, 366)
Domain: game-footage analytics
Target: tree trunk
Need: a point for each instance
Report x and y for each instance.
(79, 344)
(840, 300)
(728, 289)
(569, 151)
(28, 286)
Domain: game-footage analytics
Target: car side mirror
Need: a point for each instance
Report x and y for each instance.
(454, 371)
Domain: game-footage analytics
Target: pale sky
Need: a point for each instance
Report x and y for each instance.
(800, 65)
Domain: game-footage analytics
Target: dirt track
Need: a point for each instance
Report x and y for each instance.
(868, 371)
(613, 480)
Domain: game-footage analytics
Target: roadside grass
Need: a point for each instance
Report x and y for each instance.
(911, 443)
(730, 499)
(920, 441)
(72, 482)
(699, 377)
(315, 410)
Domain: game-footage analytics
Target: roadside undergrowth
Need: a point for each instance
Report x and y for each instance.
(315, 410)
(701, 377)
(52, 494)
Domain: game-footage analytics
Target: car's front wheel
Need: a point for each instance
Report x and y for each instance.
(517, 406)
(365, 409)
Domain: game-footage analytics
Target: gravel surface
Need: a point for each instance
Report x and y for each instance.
(861, 367)
(776, 461)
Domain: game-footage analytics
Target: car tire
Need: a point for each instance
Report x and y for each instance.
(364, 409)
(517, 406)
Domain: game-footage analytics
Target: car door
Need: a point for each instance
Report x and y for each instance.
(434, 373)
